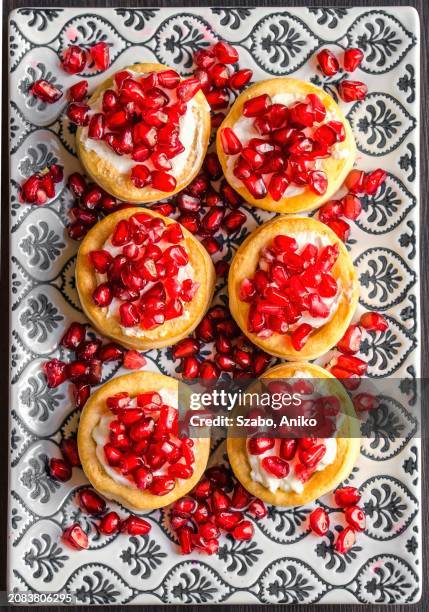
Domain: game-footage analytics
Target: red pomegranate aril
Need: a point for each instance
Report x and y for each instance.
(100, 54)
(219, 74)
(345, 540)
(133, 360)
(257, 509)
(352, 364)
(84, 217)
(60, 469)
(318, 182)
(180, 470)
(91, 502)
(129, 314)
(161, 485)
(225, 52)
(208, 531)
(275, 466)
(349, 380)
(239, 79)
(74, 335)
(185, 348)
(190, 367)
(352, 206)
(374, 180)
(355, 181)
(45, 91)
(319, 521)
(185, 540)
(220, 501)
(78, 91)
(102, 295)
(373, 321)
(240, 497)
(109, 524)
(163, 181)
(256, 106)
(101, 260)
(230, 143)
(68, 447)
(347, 496)
(243, 531)
(81, 393)
(300, 336)
(110, 352)
(301, 115)
(259, 445)
(341, 228)
(349, 91)
(75, 537)
(140, 175)
(364, 402)
(256, 186)
(136, 526)
(113, 454)
(352, 59)
(228, 519)
(288, 448)
(351, 341)
(55, 372)
(233, 221)
(355, 517)
(187, 89)
(277, 186)
(208, 370)
(88, 350)
(73, 59)
(328, 62)
(77, 370)
(143, 478)
(205, 80)
(78, 113)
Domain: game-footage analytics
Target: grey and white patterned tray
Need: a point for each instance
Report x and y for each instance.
(284, 563)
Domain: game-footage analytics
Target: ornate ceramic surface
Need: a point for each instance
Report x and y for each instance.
(283, 564)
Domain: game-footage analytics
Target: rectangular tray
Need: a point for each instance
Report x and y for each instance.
(283, 564)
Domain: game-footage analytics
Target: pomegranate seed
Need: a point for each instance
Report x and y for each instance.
(110, 352)
(208, 370)
(243, 531)
(228, 519)
(113, 455)
(211, 245)
(78, 113)
(256, 106)
(185, 540)
(185, 506)
(256, 186)
(88, 350)
(319, 521)
(230, 143)
(161, 485)
(341, 228)
(59, 469)
(109, 524)
(133, 360)
(77, 184)
(352, 206)
(318, 182)
(352, 364)
(345, 540)
(140, 176)
(374, 180)
(240, 497)
(136, 526)
(328, 62)
(347, 496)
(312, 456)
(218, 99)
(96, 126)
(81, 393)
(351, 341)
(169, 79)
(190, 367)
(75, 537)
(185, 348)
(258, 446)
(73, 59)
(365, 401)
(302, 115)
(352, 59)
(355, 517)
(55, 372)
(300, 336)
(349, 91)
(187, 89)
(74, 335)
(277, 186)
(373, 321)
(225, 53)
(101, 260)
(100, 54)
(219, 74)
(180, 470)
(45, 91)
(257, 509)
(349, 380)
(78, 91)
(163, 181)
(102, 295)
(355, 181)
(276, 466)
(68, 447)
(233, 221)
(91, 502)
(239, 79)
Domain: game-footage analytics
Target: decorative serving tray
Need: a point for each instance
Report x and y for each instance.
(284, 563)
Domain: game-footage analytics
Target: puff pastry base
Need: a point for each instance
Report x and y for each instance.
(348, 448)
(169, 332)
(336, 168)
(95, 408)
(244, 265)
(119, 184)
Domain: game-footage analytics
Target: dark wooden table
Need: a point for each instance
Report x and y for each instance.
(422, 7)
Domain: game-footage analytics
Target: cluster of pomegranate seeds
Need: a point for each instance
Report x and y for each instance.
(287, 284)
(146, 277)
(143, 444)
(291, 142)
(217, 76)
(74, 59)
(109, 523)
(349, 91)
(216, 505)
(40, 187)
(90, 203)
(350, 206)
(140, 117)
(232, 352)
(84, 369)
(45, 91)
(347, 499)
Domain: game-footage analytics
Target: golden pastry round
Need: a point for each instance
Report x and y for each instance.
(245, 263)
(336, 168)
(95, 408)
(169, 332)
(348, 448)
(118, 183)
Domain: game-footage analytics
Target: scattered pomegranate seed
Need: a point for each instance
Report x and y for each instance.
(239, 79)
(45, 91)
(355, 517)
(74, 59)
(55, 372)
(319, 521)
(59, 469)
(352, 59)
(133, 360)
(91, 502)
(78, 113)
(109, 524)
(341, 228)
(355, 181)
(257, 509)
(374, 180)
(78, 91)
(300, 336)
(100, 54)
(68, 447)
(345, 540)
(350, 91)
(347, 496)
(243, 531)
(328, 62)
(351, 341)
(373, 321)
(365, 402)
(351, 206)
(136, 526)
(75, 537)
